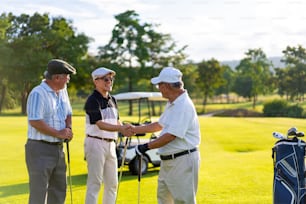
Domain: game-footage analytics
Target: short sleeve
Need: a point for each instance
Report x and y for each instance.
(35, 106)
(92, 109)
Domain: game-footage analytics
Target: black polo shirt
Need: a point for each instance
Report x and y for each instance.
(99, 108)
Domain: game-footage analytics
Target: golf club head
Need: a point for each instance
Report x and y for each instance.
(278, 135)
(292, 131)
(300, 134)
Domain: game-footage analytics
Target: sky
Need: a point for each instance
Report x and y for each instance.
(220, 29)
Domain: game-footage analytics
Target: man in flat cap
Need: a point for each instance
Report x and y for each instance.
(102, 127)
(49, 125)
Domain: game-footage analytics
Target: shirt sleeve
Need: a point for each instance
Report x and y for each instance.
(176, 122)
(66, 98)
(180, 129)
(35, 106)
(92, 109)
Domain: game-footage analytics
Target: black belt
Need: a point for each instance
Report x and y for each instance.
(100, 138)
(47, 142)
(173, 156)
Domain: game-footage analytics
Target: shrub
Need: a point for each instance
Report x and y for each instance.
(275, 108)
(281, 108)
(295, 111)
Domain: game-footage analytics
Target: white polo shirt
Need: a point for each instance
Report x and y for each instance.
(180, 119)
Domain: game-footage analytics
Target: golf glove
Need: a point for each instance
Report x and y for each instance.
(141, 149)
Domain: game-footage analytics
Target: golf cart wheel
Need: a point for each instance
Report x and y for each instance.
(134, 165)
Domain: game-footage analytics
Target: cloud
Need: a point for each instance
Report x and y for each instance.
(223, 29)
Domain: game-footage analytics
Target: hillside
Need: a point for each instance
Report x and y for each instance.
(276, 61)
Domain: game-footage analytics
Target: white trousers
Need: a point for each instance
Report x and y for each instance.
(102, 167)
(178, 180)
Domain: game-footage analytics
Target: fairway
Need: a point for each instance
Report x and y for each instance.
(236, 163)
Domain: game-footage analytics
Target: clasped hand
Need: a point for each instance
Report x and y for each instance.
(127, 130)
(66, 134)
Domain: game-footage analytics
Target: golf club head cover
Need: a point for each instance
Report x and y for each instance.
(141, 149)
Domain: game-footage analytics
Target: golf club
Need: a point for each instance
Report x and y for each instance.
(122, 164)
(292, 131)
(278, 135)
(139, 176)
(68, 158)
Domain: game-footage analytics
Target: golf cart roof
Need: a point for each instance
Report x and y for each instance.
(151, 96)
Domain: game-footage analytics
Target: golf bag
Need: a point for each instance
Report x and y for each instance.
(289, 171)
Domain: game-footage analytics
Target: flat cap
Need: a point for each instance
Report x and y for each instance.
(57, 66)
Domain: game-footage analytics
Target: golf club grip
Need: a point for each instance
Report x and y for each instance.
(68, 156)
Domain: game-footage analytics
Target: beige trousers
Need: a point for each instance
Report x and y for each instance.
(102, 167)
(178, 180)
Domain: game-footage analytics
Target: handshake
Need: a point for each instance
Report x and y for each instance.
(127, 130)
(130, 130)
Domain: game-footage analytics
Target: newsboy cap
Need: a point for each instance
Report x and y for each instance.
(57, 66)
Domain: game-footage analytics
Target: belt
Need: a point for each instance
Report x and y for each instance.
(173, 156)
(100, 138)
(47, 142)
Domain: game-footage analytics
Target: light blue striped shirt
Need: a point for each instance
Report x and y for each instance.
(44, 104)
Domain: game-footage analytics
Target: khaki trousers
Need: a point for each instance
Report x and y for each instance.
(178, 180)
(102, 167)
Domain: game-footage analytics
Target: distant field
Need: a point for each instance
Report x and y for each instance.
(236, 163)
(212, 106)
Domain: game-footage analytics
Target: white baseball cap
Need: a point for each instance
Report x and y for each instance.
(168, 75)
(100, 72)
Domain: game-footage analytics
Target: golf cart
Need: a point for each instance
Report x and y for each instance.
(126, 146)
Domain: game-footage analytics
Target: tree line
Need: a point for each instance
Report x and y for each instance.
(137, 52)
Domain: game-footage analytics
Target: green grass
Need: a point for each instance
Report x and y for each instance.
(236, 163)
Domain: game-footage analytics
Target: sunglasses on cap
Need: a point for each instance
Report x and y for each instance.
(106, 79)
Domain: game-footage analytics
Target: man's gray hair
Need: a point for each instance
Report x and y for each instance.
(47, 75)
(179, 84)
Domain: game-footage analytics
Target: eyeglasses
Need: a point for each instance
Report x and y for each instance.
(106, 79)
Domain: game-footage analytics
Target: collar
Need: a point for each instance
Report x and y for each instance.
(179, 98)
(46, 86)
(97, 93)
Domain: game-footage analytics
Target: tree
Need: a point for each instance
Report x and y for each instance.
(139, 49)
(190, 75)
(294, 55)
(253, 75)
(227, 85)
(4, 52)
(295, 60)
(283, 81)
(34, 40)
(209, 78)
